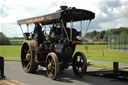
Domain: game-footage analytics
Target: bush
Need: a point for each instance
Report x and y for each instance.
(3, 39)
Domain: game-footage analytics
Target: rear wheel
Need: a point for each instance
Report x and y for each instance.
(79, 64)
(52, 65)
(28, 57)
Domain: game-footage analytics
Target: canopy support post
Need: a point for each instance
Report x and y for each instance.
(65, 29)
(87, 27)
(21, 30)
(71, 23)
(27, 28)
(81, 29)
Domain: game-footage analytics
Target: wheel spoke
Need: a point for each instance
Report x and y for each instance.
(52, 71)
(77, 64)
(25, 59)
(53, 67)
(28, 65)
(25, 51)
(49, 61)
(80, 58)
(52, 60)
(51, 74)
(28, 51)
(79, 69)
(80, 64)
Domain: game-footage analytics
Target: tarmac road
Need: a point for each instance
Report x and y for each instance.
(14, 72)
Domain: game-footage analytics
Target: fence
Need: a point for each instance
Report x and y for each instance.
(118, 41)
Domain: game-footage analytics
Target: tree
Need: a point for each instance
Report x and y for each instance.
(94, 35)
(106, 37)
(101, 34)
(3, 39)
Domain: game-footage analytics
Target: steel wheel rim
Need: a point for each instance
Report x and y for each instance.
(51, 67)
(26, 57)
(79, 63)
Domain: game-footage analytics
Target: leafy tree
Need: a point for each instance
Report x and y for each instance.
(95, 35)
(106, 37)
(102, 33)
(3, 39)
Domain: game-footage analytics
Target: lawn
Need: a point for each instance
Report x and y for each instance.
(102, 53)
(10, 50)
(16, 41)
(95, 52)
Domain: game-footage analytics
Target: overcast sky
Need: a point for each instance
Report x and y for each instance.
(109, 13)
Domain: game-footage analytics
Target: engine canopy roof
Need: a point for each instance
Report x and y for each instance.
(66, 14)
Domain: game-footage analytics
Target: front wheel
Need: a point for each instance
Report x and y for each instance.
(52, 65)
(28, 57)
(79, 64)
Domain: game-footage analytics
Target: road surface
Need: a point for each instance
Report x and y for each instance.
(16, 76)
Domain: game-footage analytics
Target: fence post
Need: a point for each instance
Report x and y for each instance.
(108, 42)
(114, 40)
(2, 67)
(125, 40)
(115, 68)
(119, 41)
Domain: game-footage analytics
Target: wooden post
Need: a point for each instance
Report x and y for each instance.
(2, 67)
(115, 68)
(102, 51)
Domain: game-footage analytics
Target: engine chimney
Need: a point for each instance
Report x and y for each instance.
(63, 7)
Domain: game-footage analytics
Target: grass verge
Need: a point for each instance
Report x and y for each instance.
(102, 53)
(11, 59)
(101, 65)
(10, 50)
(92, 52)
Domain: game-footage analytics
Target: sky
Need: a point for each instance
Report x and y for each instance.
(109, 13)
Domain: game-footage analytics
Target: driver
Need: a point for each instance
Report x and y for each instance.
(39, 34)
(37, 28)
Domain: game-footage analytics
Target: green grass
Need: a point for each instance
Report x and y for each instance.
(101, 65)
(10, 50)
(117, 46)
(11, 59)
(102, 53)
(16, 40)
(95, 52)
(104, 65)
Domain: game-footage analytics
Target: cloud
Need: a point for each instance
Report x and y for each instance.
(109, 13)
(113, 14)
(11, 11)
(11, 30)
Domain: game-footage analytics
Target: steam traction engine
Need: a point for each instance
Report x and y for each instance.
(55, 49)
